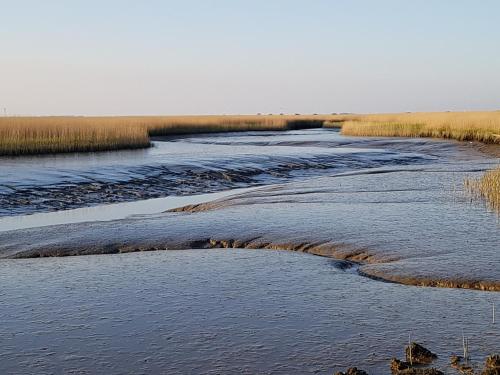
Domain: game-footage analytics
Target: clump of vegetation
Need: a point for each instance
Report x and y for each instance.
(417, 354)
(486, 187)
(464, 126)
(492, 365)
(404, 368)
(335, 124)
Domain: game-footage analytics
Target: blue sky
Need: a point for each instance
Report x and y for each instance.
(200, 57)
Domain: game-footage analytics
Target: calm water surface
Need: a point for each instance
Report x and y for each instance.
(243, 311)
(223, 312)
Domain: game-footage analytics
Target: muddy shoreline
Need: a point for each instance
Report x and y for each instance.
(60, 182)
(358, 258)
(488, 149)
(347, 263)
(412, 224)
(255, 221)
(158, 176)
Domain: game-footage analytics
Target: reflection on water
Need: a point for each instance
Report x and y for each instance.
(109, 212)
(223, 312)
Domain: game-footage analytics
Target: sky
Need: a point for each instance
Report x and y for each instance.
(149, 57)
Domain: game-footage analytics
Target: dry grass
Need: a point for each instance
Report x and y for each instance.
(334, 124)
(209, 124)
(37, 135)
(463, 126)
(486, 187)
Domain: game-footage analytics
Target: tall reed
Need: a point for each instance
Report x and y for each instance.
(37, 135)
(31, 135)
(486, 187)
(464, 126)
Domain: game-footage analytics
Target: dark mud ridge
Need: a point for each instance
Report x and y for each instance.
(155, 181)
(350, 257)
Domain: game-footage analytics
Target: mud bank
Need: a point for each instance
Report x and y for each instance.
(198, 164)
(361, 259)
(412, 226)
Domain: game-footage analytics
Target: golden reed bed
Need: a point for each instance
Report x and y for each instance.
(463, 126)
(36, 135)
(42, 135)
(486, 187)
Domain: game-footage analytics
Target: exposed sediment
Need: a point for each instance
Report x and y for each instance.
(365, 260)
(66, 188)
(478, 284)
(399, 225)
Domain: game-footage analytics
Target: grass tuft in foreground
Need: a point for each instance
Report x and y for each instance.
(486, 187)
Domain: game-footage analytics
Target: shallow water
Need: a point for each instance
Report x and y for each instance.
(396, 207)
(413, 225)
(223, 312)
(194, 165)
(109, 212)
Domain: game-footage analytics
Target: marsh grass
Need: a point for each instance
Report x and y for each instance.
(39, 135)
(211, 124)
(334, 124)
(486, 187)
(463, 126)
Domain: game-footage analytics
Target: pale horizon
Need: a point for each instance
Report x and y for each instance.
(223, 57)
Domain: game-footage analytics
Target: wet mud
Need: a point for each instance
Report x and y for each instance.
(226, 311)
(376, 213)
(197, 164)
(413, 226)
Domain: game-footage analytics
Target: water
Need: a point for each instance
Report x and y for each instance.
(412, 224)
(110, 211)
(192, 165)
(223, 312)
(395, 207)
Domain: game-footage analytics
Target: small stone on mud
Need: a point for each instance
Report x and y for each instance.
(419, 355)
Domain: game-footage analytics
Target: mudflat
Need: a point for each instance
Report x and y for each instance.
(384, 217)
